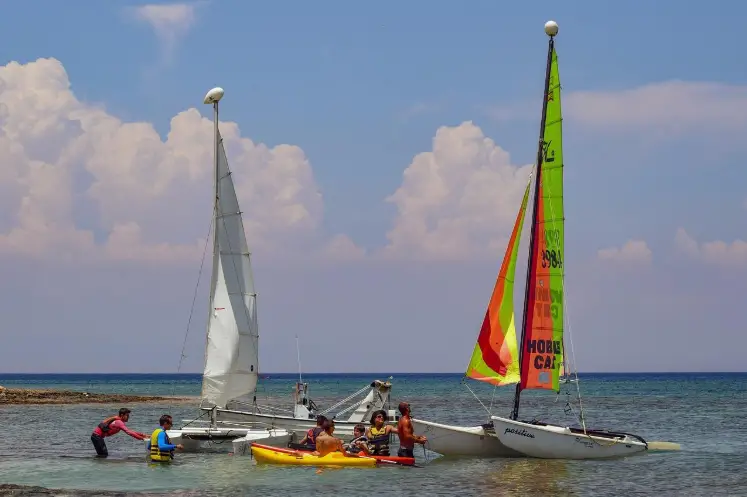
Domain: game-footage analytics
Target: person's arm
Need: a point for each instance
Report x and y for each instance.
(392, 430)
(420, 439)
(134, 434)
(162, 444)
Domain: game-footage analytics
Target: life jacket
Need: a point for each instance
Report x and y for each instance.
(156, 454)
(354, 449)
(104, 425)
(379, 441)
(312, 434)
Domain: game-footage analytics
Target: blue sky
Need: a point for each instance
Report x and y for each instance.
(655, 103)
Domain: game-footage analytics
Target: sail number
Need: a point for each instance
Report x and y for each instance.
(551, 258)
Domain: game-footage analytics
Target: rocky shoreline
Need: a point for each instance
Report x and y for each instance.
(16, 396)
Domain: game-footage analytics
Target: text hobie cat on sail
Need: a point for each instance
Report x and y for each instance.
(232, 349)
(536, 360)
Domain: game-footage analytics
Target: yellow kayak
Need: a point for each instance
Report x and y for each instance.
(265, 455)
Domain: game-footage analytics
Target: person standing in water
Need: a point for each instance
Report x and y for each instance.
(407, 437)
(160, 448)
(111, 426)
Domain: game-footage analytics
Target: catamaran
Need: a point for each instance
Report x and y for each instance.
(540, 362)
(231, 368)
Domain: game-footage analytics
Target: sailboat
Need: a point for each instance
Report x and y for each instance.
(537, 361)
(232, 351)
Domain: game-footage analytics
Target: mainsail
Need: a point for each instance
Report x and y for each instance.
(541, 344)
(231, 355)
(495, 357)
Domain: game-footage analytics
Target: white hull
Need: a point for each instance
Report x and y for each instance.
(298, 425)
(242, 446)
(193, 437)
(557, 442)
(461, 441)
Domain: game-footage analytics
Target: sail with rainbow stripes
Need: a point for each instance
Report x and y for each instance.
(495, 357)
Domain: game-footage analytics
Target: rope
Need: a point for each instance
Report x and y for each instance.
(346, 399)
(478, 398)
(192, 309)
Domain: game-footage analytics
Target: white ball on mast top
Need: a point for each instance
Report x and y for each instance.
(551, 28)
(214, 96)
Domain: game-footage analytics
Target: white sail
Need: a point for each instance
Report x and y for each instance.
(231, 355)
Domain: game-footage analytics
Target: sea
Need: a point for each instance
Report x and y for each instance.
(48, 446)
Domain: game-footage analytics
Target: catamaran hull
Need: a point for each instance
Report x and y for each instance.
(557, 442)
(193, 438)
(227, 416)
(461, 440)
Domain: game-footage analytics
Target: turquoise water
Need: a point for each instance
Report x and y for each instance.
(49, 446)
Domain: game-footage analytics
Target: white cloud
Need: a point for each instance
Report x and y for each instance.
(171, 22)
(73, 174)
(714, 252)
(666, 108)
(675, 106)
(341, 247)
(633, 251)
(458, 200)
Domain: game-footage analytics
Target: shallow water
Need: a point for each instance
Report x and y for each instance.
(49, 446)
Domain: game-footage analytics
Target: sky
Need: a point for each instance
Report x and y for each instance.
(380, 153)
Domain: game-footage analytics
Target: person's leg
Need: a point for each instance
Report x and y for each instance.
(100, 446)
(402, 452)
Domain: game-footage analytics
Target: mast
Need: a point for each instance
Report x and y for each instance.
(551, 29)
(213, 97)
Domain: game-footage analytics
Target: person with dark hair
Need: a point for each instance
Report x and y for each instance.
(358, 443)
(326, 443)
(407, 437)
(160, 448)
(309, 441)
(379, 434)
(111, 426)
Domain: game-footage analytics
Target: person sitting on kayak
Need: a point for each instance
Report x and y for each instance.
(407, 437)
(358, 443)
(111, 426)
(309, 440)
(379, 434)
(326, 443)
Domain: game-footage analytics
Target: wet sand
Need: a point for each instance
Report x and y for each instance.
(17, 396)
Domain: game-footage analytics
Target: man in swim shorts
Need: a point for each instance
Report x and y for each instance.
(407, 437)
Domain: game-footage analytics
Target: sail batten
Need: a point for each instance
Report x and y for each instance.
(495, 356)
(231, 357)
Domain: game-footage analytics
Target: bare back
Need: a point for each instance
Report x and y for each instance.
(326, 444)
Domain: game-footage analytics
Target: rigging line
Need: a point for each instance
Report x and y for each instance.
(478, 399)
(194, 299)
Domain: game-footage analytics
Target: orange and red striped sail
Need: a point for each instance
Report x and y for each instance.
(495, 358)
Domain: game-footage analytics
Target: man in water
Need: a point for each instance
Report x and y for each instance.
(379, 433)
(111, 426)
(407, 437)
(160, 448)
